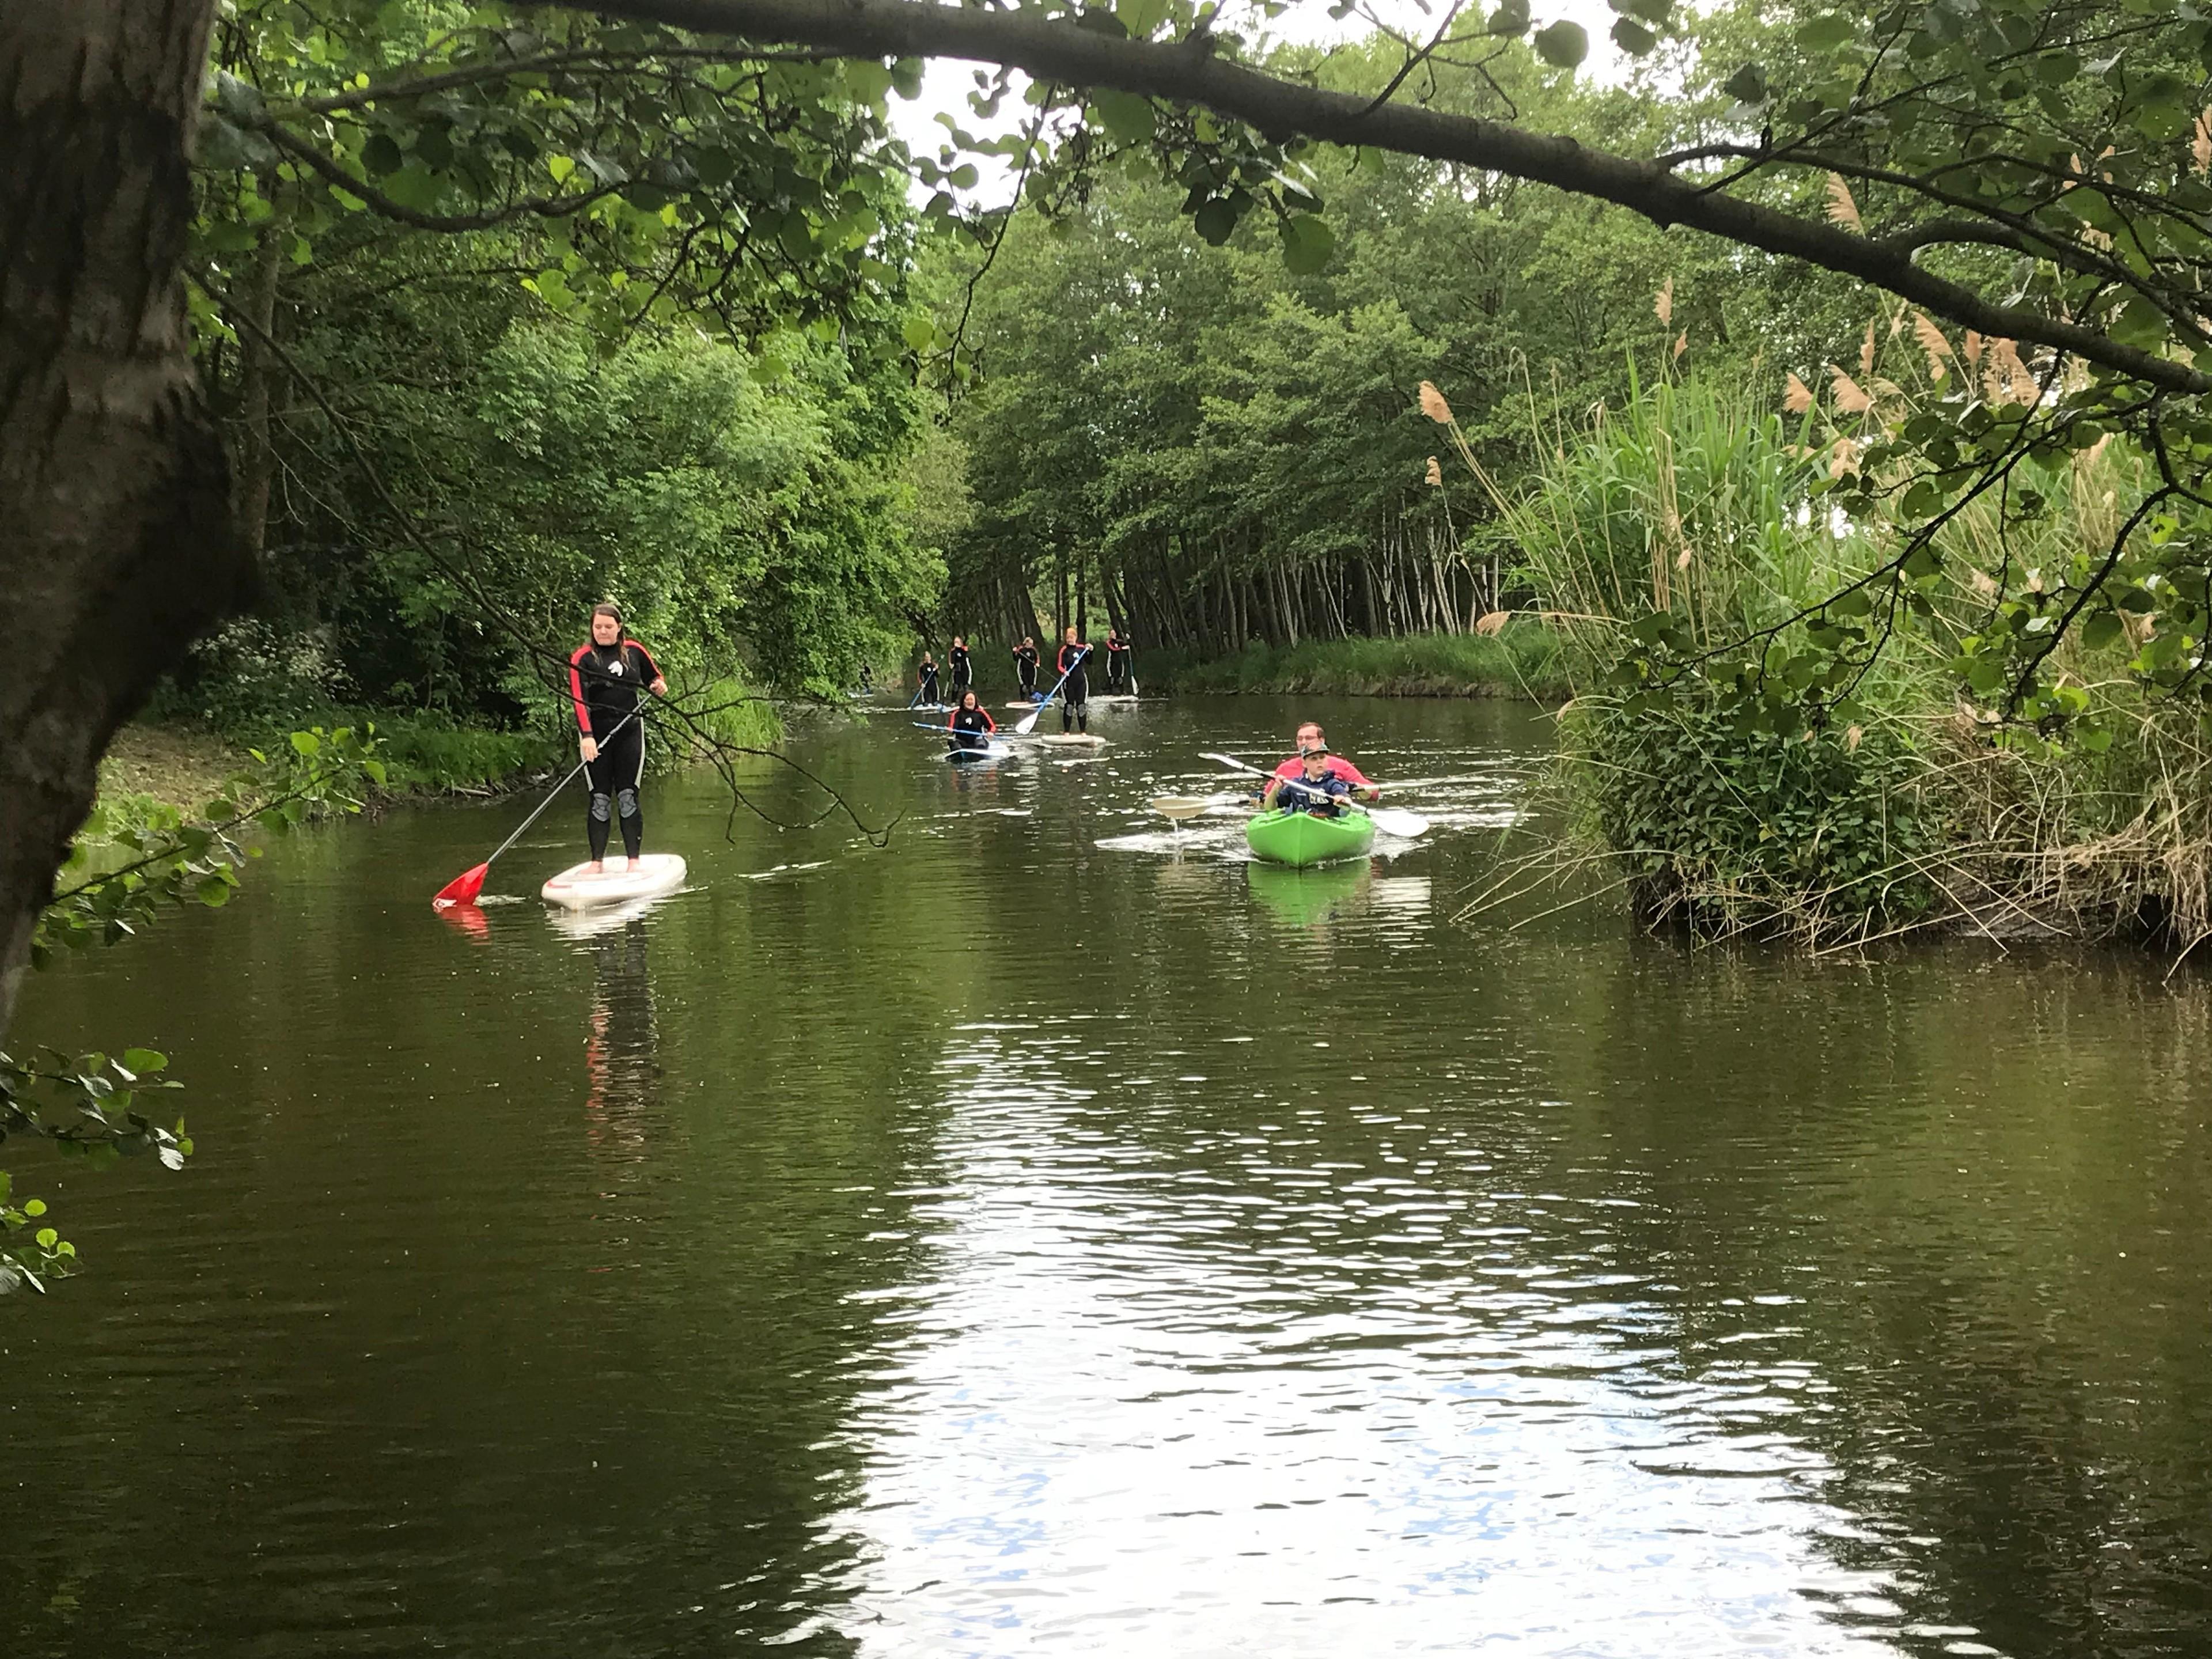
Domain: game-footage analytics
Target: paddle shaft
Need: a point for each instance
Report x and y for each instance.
(554, 794)
(1028, 720)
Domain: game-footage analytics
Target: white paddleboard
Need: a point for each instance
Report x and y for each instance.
(990, 751)
(1072, 740)
(576, 889)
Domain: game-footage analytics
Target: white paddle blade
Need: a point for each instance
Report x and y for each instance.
(1181, 807)
(1404, 825)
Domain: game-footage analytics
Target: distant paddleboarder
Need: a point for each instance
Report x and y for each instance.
(957, 659)
(1025, 665)
(970, 724)
(928, 694)
(1117, 662)
(606, 675)
(1075, 694)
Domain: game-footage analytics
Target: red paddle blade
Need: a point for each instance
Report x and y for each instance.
(463, 888)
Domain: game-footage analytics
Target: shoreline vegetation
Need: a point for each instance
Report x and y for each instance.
(183, 762)
(1523, 661)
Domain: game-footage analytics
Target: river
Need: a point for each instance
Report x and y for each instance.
(1049, 1233)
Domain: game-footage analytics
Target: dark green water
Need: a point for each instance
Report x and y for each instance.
(1006, 1243)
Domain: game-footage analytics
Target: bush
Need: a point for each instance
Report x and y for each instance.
(1732, 829)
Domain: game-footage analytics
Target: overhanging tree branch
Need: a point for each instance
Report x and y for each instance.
(1190, 72)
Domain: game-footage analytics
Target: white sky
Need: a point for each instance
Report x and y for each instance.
(947, 83)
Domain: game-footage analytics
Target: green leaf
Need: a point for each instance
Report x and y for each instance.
(1512, 18)
(919, 333)
(1632, 37)
(1563, 44)
(1747, 85)
(142, 1060)
(1215, 219)
(1307, 244)
(1827, 32)
(1128, 118)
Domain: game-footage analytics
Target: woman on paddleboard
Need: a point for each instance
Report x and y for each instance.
(1075, 693)
(957, 660)
(970, 724)
(928, 692)
(1117, 662)
(1025, 665)
(606, 676)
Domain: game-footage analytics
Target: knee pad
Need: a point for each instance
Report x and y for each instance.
(626, 803)
(602, 806)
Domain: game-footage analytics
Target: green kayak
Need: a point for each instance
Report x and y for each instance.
(1299, 839)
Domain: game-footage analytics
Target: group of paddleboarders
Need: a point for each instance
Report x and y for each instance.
(1316, 780)
(1071, 666)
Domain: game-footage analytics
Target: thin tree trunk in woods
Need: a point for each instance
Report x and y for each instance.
(1082, 596)
(120, 547)
(1060, 616)
(258, 371)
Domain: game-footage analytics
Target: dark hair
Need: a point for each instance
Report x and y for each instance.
(610, 609)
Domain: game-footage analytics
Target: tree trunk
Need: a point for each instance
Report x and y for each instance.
(120, 547)
(258, 371)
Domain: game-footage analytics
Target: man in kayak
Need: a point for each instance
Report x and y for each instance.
(957, 660)
(1310, 738)
(970, 724)
(1025, 664)
(927, 695)
(1315, 789)
(1075, 693)
(605, 675)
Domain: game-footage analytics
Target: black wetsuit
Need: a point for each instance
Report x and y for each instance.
(1075, 692)
(606, 681)
(962, 676)
(1025, 664)
(971, 728)
(928, 683)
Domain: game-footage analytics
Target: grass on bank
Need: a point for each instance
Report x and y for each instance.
(1524, 661)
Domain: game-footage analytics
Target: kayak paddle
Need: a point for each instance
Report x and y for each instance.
(1405, 825)
(463, 888)
(1027, 724)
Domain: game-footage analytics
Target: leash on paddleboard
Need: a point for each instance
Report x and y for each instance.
(463, 888)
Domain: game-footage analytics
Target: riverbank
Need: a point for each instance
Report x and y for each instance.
(1522, 661)
(186, 762)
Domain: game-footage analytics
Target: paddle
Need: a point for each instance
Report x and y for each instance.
(1027, 724)
(1405, 825)
(463, 888)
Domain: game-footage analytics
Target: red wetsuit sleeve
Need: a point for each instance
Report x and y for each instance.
(651, 668)
(989, 725)
(952, 721)
(577, 689)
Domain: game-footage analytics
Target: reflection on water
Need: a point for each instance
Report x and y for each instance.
(1054, 1231)
(1192, 1385)
(620, 1053)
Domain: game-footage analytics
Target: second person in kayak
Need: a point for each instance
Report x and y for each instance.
(1316, 789)
(970, 724)
(1310, 738)
(606, 675)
